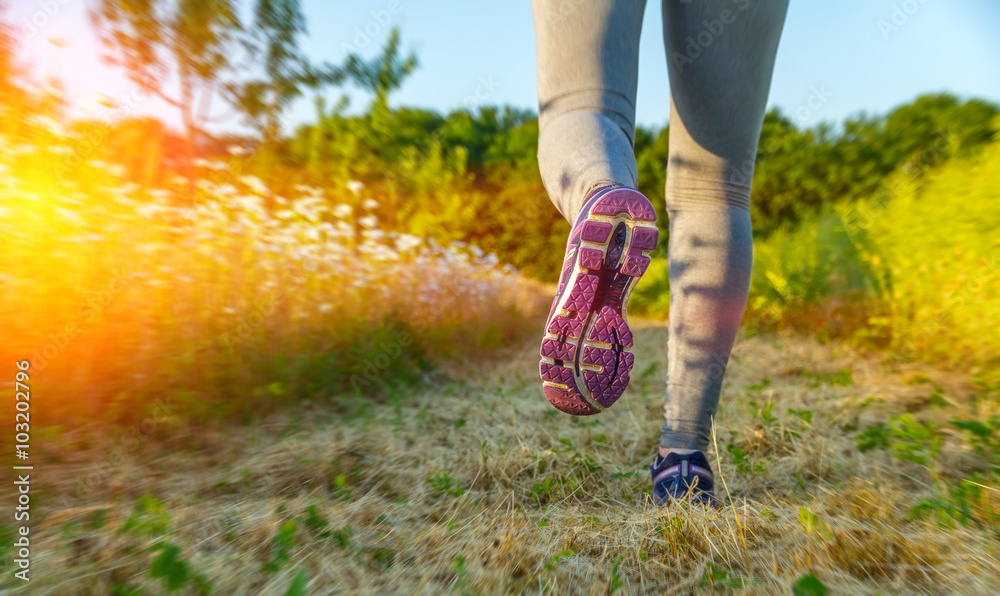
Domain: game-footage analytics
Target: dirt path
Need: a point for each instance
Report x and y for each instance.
(479, 486)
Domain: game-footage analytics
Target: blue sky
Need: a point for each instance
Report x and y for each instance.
(465, 47)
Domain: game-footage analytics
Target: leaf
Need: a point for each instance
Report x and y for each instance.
(314, 520)
(168, 566)
(615, 582)
(809, 585)
(974, 426)
(298, 585)
(810, 522)
(873, 437)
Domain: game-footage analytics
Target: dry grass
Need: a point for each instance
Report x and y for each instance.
(508, 529)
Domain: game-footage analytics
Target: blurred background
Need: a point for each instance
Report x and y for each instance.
(238, 202)
(212, 210)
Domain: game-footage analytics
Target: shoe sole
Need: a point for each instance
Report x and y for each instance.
(586, 353)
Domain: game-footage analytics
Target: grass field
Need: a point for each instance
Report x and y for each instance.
(473, 484)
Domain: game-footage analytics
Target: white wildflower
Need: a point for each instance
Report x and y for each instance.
(407, 242)
(255, 184)
(356, 186)
(160, 194)
(67, 214)
(46, 123)
(369, 221)
(343, 211)
(370, 204)
(127, 188)
(372, 235)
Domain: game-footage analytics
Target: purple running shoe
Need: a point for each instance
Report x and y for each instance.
(586, 352)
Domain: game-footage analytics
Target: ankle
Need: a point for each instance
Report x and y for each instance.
(665, 451)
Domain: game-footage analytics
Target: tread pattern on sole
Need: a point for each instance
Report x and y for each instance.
(636, 206)
(555, 350)
(582, 295)
(607, 322)
(591, 258)
(569, 401)
(596, 231)
(607, 361)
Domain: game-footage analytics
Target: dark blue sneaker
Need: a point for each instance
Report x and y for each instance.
(677, 476)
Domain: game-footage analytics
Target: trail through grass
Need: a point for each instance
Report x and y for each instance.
(478, 486)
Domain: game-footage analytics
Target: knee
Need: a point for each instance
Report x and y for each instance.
(722, 186)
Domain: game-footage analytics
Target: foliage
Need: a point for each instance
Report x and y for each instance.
(442, 482)
(152, 39)
(287, 73)
(281, 545)
(175, 571)
(149, 517)
(809, 585)
(937, 238)
(298, 585)
(225, 309)
(800, 171)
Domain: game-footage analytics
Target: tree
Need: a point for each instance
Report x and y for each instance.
(381, 76)
(273, 41)
(153, 38)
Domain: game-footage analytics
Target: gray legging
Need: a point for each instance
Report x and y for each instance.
(720, 55)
